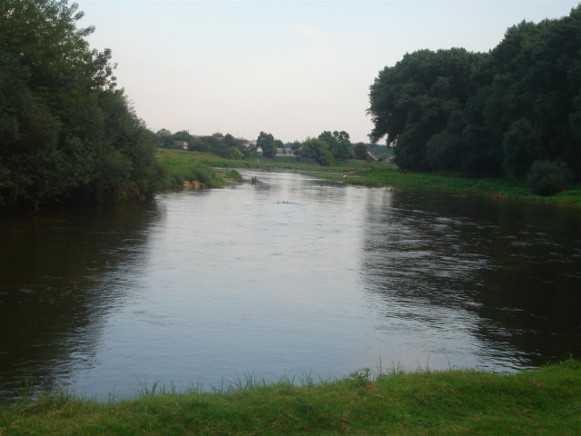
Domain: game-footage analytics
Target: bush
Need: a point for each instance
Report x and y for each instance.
(548, 178)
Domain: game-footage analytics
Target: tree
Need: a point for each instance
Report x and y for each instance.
(548, 178)
(266, 142)
(360, 151)
(413, 100)
(521, 146)
(339, 144)
(67, 135)
(318, 150)
(486, 113)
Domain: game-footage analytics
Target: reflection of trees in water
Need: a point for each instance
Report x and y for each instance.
(60, 274)
(509, 271)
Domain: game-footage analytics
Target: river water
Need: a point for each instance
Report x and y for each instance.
(292, 277)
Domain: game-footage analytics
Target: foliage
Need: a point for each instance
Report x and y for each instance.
(542, 401)
(494, 187)
(413, 100)
(487, 113)
(548, 178)
(66, 134)
(317, 150)
(221, 145)
(266, 142)
(183, 168)
(360, 151)
(339, 143)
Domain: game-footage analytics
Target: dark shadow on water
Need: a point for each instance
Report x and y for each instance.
(61, 271)
(506, 274)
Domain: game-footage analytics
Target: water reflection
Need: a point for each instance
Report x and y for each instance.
(489, 284)
(291, 276)
(60, 274)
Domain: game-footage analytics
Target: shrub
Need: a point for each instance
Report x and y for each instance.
(548, 177)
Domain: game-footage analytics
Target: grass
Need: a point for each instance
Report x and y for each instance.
(542, 401)
(491, 187)
(184, 169)
(184, 165)
(278, 163)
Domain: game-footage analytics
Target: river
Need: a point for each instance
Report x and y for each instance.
(293, 277)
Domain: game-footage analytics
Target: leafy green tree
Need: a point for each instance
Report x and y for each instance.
(67, 135)
(317, 150)
(548, 177)
(360, 151)
(531, 81)
(493, 113)
(266, 142)
(413, 100)
(521, 146)
(339, 144)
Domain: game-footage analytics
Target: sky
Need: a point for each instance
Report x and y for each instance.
(290, 68)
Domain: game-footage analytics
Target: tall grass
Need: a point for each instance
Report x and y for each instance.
(180, 169)
(543, 401)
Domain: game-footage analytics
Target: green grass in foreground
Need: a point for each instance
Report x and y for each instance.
(498, 188)
(543, 401)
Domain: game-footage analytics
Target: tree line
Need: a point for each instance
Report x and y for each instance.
(514, 111)
(67, 133)
(325, 149)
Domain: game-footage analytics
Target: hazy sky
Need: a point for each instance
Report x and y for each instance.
(290, 68)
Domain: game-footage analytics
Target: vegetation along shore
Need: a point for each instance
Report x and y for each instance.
(181, 165)
(504, 120)
(540, 401)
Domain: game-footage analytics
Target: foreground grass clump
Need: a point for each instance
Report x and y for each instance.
(544, 401)
(499, 188)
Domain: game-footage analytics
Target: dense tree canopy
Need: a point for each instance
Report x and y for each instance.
(317, 150)
(339, 143)
(413, 101)
(493, 113)
(66, 133)
(267, 143)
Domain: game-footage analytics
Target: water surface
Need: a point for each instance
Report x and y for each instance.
(291, 277)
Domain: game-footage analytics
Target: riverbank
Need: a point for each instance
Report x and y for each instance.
(495, 188)
(542, 401)
(184, 166)
(185, 170)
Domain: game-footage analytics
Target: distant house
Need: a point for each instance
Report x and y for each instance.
(181, 144)
(284, 151)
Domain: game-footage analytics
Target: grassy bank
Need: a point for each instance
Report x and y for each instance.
(543, 401)
(183, 165)
(278, 163)
(497, 188)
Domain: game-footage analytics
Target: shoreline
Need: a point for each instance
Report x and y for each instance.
(544, 400)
